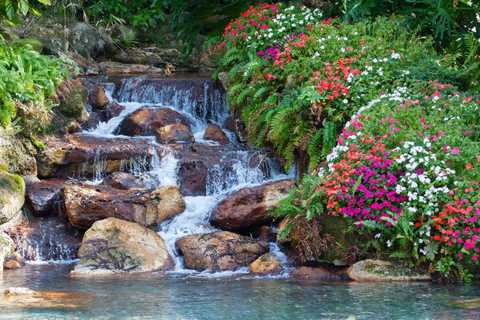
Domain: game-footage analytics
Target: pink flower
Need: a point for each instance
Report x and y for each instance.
(469, 244)
(455, 151)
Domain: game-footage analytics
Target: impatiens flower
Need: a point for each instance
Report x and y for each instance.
(455, 151)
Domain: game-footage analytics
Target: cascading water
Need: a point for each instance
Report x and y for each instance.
(202, 102)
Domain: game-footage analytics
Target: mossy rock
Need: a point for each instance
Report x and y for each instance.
(7, 247)
(17, 154)
(73, 100)
(377, 270)
(12, 195)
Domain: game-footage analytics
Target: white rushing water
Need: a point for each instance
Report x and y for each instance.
(201, 104)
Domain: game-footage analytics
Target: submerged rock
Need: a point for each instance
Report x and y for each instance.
(84, 155)
(45, 196)
(117, 246)
(215, 133)
(378, 270)
(174, 133)
(219, 251)
(27, 298)
(266, 264)
(12, 196)
(147, 120)
(86, 204)
(124, 181)
(249, 207)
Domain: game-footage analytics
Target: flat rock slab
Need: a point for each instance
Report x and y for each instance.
(377, 270)
(27, 298)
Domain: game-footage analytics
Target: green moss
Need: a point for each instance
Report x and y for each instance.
(11, 183)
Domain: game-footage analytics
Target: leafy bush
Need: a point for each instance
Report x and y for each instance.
(27, 84)
(10, 10)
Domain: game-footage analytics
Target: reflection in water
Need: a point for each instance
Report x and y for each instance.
(171, 297)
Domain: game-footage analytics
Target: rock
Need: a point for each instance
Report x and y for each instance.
(90, 42)
(320, 4)
(265, 233)
(113, 245)
(86, 204)
(72, 96)
(13, 262)
(378, 270)
(223, 78)
(267, 263)
(45, 196)
(193, 177)
(7, 247)
(82, 155)
(219, 251)
(124, 181)
(98, 98)
(49, 238)
(319, 274)
(149, 56)
(174, 133)
(111, 68)
(466, 303)
(29, 299)
(112, 110)
(12, 196)
(215, 133)
(145, 121)
(249, 207)
(16, 153)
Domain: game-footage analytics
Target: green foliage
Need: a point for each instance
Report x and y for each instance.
(11, 10)
(27, 84)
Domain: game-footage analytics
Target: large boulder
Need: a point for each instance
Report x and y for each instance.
(112, 68)
(219, 251)
(146, 121)
(175, 133)
(7, 247)
(89, 41)
(45, 197)
(377, 270)
(83, 155)
(124, 181)
(72, 95)
(266, 264)
(215, 133)
(249, 207)
(16, 153)
(319, 274)
(116, 246)
(86, 204)
(98, 97)
(12, 196)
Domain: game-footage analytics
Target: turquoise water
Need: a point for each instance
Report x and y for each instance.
(171, 297)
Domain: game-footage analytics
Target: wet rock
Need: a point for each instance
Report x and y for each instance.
(12, 195)
(266, 264)
(193, 177)
(89, 41)
(112, 110)
(111, 68)
(249, 207)
(16, 153)
(174, 133)
(72, 96)
(124, 181)
(146, 120)
(466, 303)
(27, 298)
(98, 97)
(49, 238)
(265, 233)
(219, 251)
(116, 246)
(215, 133)
(149, 56)
(378, 270)
(45, 196)
(86, 204)
(319, 274)
(83, 155)
(7, 247)
(13, 262)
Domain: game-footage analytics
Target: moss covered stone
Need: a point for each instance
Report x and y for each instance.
(12, 195)
(7, 248)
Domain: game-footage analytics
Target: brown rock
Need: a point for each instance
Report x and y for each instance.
(174, 133)
(219, 251)
(124, 181)
(146, 120)
(12, 195)
(45, 196)
(98, 97)
(267, 263)
(115, 68)
(249, 207)
(14, 261)
(215, 133)
(319, 274)
(193, 177)
(78, 155)
(86, 204)
(378, 270)
(117, 246)
(27, 298)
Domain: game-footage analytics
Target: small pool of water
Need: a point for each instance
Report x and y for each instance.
(179, 298)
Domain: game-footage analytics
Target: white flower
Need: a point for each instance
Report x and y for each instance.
(395, 56)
